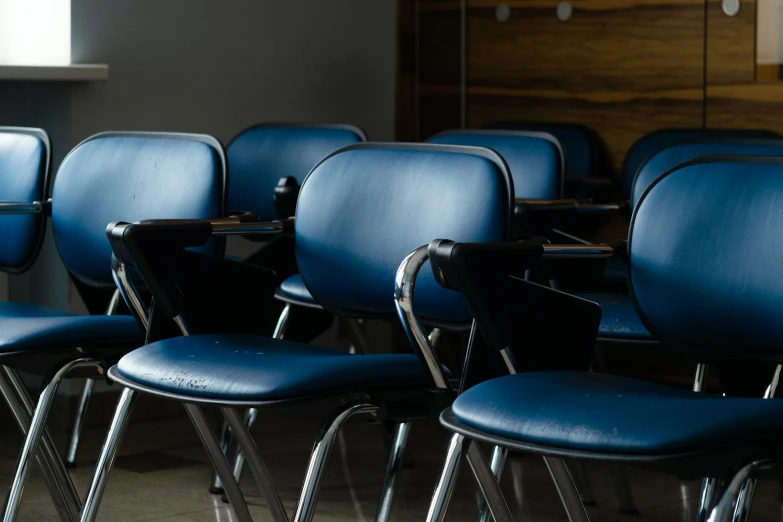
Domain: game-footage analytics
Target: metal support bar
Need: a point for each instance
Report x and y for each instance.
(60, 486)
(392, 471)
(219, 462)
(726, 509)
(317, 465)
(33, 439)
(216, 486)
(488, 485)
(497, 463)
(579, 474)
(448, 478)
(264, 480)
(78, 425)
(569, 495)
(108, 453)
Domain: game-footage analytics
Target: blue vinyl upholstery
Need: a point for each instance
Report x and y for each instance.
(603, 413)
(619, 320)
(240, 367)
(27, 327)
(24, 166)
(294, 288)
(131, 177)
(576, 140)
(653, 142)
(704, 262)
(672, 156)
(259, 156)
(535, 159)
(363, 209)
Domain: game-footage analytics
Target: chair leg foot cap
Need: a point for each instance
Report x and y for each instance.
(633, 511)
(69, 464)
(215, 491)
(588, 503)
(224, 498)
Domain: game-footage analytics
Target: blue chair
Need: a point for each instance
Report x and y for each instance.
(360, 211)
(110, 175)
(656, 141)
(619, 322)
(723, 243)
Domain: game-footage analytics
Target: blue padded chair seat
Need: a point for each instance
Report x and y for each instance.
(251, 368)
(604, 413)
(25, 327)
(619, 320)
(294, 289)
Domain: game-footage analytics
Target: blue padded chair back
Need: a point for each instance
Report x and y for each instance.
(25, 158)
(535, 158)
(259, 156)
(367, 206)
(705, 254)
(672, 156)
(653, 142)
(580, 145)
(130, 177)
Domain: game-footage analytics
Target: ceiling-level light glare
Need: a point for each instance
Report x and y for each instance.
(35, 32)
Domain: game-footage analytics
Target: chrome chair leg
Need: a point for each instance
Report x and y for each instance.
(448, 478)
(308, 498)
(59, 483)
(578, 472)
(78, 425)
(744, 501)
(395, 463)
(248, 447)
(566, 489)
(33, 439)
(488, 484)
(496, 464)
(726, 508)
(219, 462)
(622, 488)
(216, 485)
(710, 494)
(108, 453)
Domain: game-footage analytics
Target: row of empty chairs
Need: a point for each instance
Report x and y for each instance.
(469, 231)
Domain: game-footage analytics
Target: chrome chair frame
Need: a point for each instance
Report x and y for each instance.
(325, 440)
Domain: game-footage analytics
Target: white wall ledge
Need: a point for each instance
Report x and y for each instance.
(77, 72)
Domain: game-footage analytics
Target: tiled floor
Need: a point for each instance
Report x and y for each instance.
(163, 475)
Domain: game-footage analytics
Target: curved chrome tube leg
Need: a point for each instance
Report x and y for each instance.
(727, 507)
(622, 489)
(248, 447)
(579, 474)
(216, 485)
(566, 489)
(395, 463)
(448, 478)
(219, 462)
(710, 494)
(225, 435)
(489, 485)
(308, 498)
(744, 501)
(119, 424)
(496, 464)
(59, 483)
(33, 439)
(78, 425)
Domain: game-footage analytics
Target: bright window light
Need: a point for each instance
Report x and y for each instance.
(35, 32)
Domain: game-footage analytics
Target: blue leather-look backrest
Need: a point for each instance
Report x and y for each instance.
(577, 142)
(259, 156)
(672, 156)
(653, 142)
(535, 158)
(365, 208)
(24, 171)
(705, 254)
(131, 177)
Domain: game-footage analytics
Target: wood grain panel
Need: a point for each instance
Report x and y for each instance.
(731, 44)
(749, 106)
(439, 23)
(607, 45)
(618, 118)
